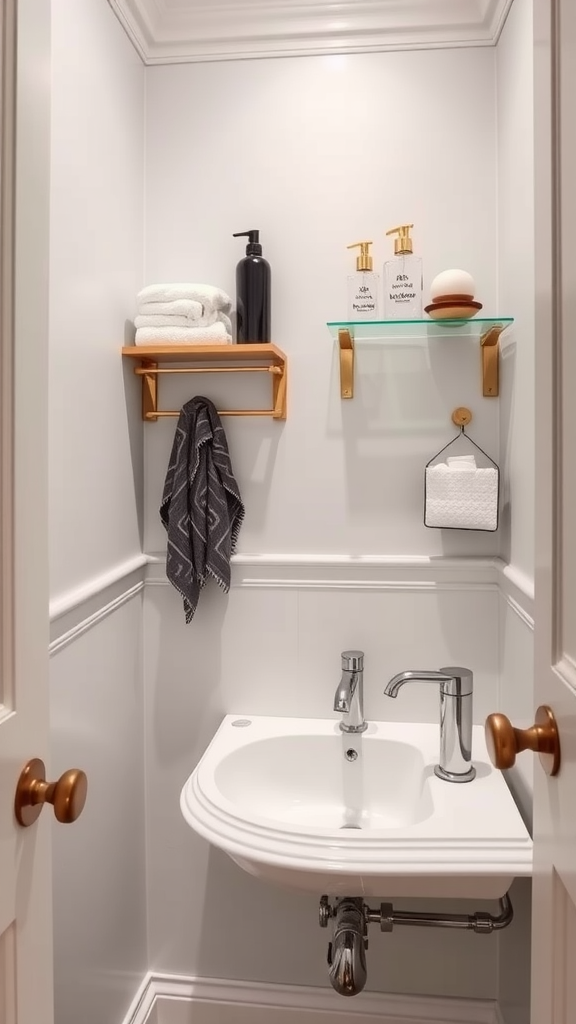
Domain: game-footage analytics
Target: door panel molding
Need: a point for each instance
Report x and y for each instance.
(7, 260)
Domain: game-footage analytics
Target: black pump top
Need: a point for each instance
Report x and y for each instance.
(253, 247)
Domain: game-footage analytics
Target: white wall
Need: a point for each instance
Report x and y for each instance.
(99, 863)
(95, 269)
(317, 153)
(516, 289)
(337, 477)
(515, 115)
(273, 648)
(95, 504)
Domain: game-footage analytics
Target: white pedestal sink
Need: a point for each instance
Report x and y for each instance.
(296, 801)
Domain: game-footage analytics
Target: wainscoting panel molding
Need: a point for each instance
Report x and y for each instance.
(71, 614)
(328, 572)
(94, 587)
(172, 999)
(518, 591)
(78, 628)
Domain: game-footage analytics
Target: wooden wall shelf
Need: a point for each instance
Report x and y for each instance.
(257, 358)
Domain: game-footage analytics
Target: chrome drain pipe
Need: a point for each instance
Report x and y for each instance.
(346, 952)
(351, 917)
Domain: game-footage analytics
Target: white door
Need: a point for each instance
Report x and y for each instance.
(25, 867)
(554, 907)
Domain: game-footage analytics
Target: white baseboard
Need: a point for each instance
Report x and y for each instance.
(172, 999)
(142, 1009)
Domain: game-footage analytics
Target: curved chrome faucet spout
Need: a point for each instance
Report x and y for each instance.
(397, 681)
(456, 688)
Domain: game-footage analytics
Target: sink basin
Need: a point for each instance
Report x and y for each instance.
(326, 782)
(296, 801)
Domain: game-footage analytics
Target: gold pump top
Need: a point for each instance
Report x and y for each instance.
(402, 244)
(364, 261)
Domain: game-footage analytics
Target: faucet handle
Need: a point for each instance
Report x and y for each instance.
(353, 661)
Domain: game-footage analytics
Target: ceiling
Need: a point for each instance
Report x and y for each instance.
(177, 31)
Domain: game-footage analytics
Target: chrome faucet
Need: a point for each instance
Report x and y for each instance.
(349, 696)
(456, 688)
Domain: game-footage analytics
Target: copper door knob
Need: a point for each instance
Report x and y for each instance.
(504, 741)
(67, 796)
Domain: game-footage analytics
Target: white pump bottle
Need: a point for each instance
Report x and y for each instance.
(403, 279)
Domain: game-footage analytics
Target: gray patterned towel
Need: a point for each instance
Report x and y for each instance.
(201, 506)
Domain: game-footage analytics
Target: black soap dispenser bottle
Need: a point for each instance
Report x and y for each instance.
(253, 292)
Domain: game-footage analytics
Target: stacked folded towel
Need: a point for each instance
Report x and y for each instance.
(183, 314)
(460, 496)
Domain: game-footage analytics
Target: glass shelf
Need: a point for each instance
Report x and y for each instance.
(487, 329)
(381, 330)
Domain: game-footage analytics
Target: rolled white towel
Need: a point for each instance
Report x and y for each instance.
(211, 297)
(214, 335)
(189, 308)
(461, 500)
(466, 462)
(183, 321)
(146, 320)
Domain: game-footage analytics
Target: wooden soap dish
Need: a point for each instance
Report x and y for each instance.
(453, 308)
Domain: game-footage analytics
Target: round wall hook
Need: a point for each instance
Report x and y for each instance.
(461, 416)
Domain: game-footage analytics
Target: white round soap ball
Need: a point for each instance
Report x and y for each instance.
(452, 282)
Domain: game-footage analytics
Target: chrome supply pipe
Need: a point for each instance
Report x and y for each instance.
(480, 922)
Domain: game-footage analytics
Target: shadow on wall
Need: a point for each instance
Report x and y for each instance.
(252, 930)
(135, 431)
(507, 402)
(400, 418)
(187, 706)
(255, 445)
(255, 931)
(514, 957)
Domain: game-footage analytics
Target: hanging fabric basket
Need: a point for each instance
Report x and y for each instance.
(462, 492)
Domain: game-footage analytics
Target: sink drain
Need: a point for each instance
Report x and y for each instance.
(351, 754)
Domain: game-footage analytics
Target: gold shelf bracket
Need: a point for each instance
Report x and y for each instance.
(346, 344)
(279, 389)
(149, 372)
(490, 348)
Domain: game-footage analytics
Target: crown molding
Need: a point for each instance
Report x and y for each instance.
(192, 31)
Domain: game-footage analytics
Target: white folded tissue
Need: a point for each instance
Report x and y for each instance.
(211, 297)
(183, 321)
(460, 496)
(461, 462)
(214, 335)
